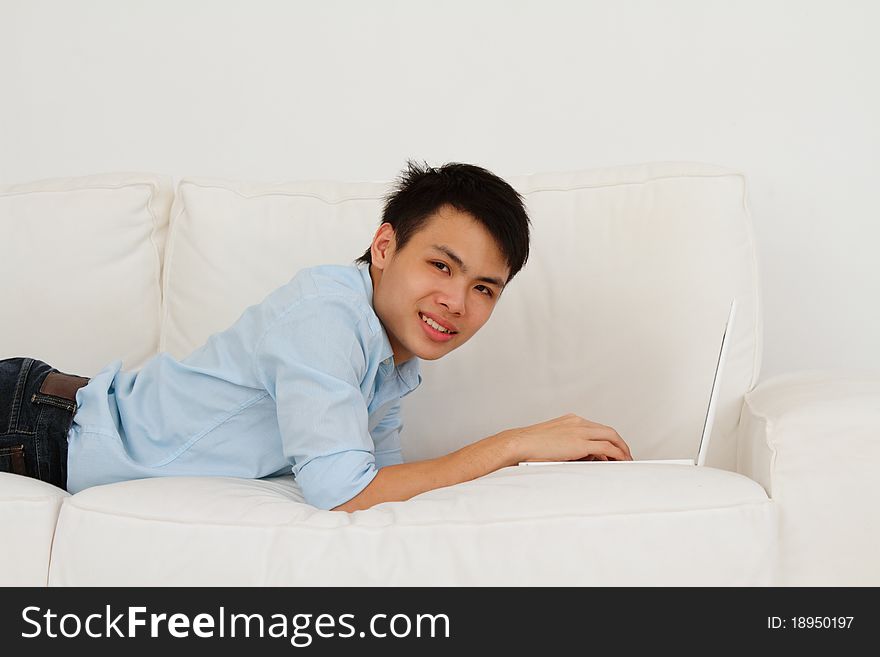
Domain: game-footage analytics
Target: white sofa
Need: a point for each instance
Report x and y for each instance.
(616, 317)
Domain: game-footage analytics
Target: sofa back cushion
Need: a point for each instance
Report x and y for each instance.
(81, 265)
(232, 243)
(617, 316)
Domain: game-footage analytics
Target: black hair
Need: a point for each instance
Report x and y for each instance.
(422, 190)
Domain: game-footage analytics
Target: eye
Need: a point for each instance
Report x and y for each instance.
(441, 264)
(485, 290)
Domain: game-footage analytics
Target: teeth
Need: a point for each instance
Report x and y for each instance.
(430, 322)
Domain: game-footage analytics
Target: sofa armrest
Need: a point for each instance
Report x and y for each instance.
(812, 440)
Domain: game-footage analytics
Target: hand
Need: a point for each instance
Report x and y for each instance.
(569, 438)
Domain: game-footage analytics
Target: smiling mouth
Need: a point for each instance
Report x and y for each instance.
(434, 325)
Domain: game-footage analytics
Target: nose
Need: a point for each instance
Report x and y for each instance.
(453, 299)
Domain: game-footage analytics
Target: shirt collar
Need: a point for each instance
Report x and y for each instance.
(364, 269)
(409, 374)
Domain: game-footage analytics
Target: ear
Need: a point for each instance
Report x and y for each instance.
(383, 245)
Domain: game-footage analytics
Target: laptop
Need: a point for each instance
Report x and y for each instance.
(703, 449)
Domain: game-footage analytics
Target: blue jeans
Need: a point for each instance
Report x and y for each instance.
(33, 426)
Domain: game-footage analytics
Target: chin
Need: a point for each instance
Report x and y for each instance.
(427, 353)
(432, 356)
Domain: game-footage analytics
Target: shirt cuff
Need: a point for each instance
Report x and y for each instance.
(328, 481)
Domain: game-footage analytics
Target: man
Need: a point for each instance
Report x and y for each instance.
(310, 379)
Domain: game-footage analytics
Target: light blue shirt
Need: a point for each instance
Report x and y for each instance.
(302, 382)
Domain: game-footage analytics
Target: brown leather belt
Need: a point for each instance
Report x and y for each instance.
(63, 385)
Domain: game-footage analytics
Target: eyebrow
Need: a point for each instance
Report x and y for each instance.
(458, 261)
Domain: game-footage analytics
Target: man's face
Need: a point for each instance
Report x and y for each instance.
(450, 272)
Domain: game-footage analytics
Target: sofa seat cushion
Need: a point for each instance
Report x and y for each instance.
(28, 512)
(596, 524)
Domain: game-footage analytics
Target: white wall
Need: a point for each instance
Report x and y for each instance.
(786, 91)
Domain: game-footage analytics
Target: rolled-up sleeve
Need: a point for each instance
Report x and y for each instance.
(312, 361)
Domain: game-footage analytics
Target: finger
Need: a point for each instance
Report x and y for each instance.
(621, 443)
(603, 429)
(615, 452)
(611, 436)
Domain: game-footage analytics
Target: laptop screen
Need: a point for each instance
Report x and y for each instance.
(713, 397)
